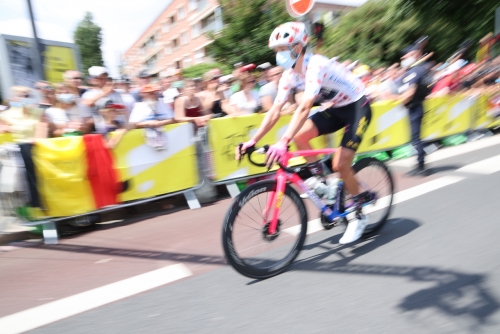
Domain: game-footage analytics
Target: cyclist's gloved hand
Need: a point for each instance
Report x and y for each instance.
(244, 147)
(276, 152)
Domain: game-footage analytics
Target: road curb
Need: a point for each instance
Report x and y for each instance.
(8, 237)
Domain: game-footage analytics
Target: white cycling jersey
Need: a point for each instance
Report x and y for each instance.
(325, 77)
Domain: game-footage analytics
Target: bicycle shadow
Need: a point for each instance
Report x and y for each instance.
(455, 293)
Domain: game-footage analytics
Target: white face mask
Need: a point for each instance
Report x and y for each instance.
(66, 98)
(405, 63)
(284, 59)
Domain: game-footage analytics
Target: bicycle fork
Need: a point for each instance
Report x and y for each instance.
(274, 202)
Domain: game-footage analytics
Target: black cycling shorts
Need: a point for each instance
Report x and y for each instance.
(355, 117)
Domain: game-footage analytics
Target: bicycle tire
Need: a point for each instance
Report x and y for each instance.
(359, 166)
(238, 203)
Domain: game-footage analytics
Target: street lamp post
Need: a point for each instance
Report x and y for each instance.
(37, 59)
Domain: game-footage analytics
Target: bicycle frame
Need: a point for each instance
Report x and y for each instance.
(282, 177)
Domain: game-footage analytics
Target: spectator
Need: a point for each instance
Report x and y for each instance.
(169, 93)
(64, 118)
(246, 101)
(177, 81)
(103, 88)
(73, 80)
(225, 84)
(212, 98)
(107, 121)
(388, 85)
(23, 119)
(448, 79)
(151, 112)
(144, 79)
(188, 107)
(46, 92)
(264, 74)
(269, 91)
(123, 88)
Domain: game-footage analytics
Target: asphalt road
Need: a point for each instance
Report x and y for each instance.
(434, 268)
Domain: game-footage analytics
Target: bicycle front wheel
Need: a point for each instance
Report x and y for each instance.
(247, 244)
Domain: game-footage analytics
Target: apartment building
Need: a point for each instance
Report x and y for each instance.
(175, 39)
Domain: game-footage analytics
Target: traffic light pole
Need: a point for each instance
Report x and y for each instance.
(37, 58)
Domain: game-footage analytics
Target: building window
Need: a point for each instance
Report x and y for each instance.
(168, 49)
(184, 38)
(199, 56)
(177, 64)
(187, 62)
(175, 44)
(211, 23)
(181, 14)
(196, 30)
(202, 4)
(193, 4)
(165, 27)
(171, 19)
(151, 62)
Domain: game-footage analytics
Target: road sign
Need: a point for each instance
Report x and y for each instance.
(298, 8)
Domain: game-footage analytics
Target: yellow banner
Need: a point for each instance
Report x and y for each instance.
(150, 172)
(226, 133)
(58, 60)
(389, 128)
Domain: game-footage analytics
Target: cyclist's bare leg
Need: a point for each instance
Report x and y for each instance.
(342, 163)
(302, 138)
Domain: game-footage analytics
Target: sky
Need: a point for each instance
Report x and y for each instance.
(122, 21)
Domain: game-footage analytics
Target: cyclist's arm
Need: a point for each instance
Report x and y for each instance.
(299, 118)
(315, 75)
(272, 116)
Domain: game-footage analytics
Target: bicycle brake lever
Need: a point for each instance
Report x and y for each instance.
(240, 145)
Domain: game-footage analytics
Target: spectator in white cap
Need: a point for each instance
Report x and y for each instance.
(103, 87)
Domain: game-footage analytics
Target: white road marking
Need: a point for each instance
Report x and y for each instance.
(402, 196)
(103, 261)
(69, 306)
(450, 152)
(487, 166)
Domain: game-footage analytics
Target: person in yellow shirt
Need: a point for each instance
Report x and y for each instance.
(23, 119)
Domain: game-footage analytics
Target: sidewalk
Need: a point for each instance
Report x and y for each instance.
(11, 230)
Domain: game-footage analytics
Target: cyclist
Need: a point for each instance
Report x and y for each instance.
(328, 81)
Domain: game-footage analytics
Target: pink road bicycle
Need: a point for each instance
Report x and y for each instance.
(266, 225)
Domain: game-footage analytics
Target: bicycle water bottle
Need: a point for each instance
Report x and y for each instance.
(317, 185)
(331, 191)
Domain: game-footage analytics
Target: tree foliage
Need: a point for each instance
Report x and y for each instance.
(376, 32)
(88, 37)
(197, 71)
(247, 27)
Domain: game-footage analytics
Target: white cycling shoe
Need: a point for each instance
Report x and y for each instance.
(354, 230)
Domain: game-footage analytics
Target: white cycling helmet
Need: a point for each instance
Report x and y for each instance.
(289, 34)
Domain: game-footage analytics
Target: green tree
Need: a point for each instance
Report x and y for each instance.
(247, 27)
(197, 71)
(88, 37)
(376, 32)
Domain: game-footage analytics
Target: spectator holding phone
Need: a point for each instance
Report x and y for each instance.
(103, 88)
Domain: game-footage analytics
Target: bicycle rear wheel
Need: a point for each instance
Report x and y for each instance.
(248, 246)
(374, 176)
